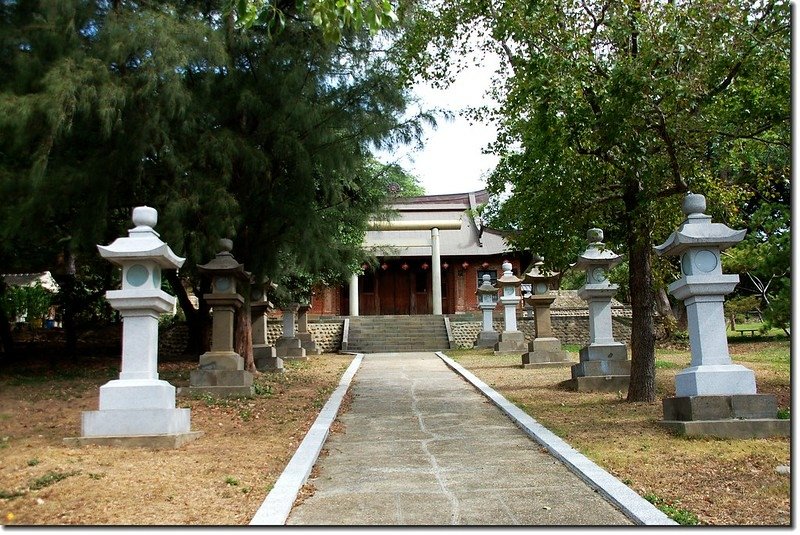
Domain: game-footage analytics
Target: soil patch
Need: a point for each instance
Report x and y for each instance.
(722, 482)
(220, 479)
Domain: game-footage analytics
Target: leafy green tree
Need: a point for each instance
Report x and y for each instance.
(248, 133)
(610, 111)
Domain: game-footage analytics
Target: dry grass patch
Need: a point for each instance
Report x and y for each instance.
(220, 479)
(730, 482)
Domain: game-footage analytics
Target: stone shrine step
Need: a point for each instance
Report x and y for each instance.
(378, 334)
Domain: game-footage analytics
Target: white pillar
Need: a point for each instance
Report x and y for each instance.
(436, 272)
(354, 294)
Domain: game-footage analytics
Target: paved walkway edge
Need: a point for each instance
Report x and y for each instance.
(629, 502)
(278, 503)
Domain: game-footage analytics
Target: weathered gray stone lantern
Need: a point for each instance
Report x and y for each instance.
(288, 345)
(604, 364)
(511, 339)
(713, 396)
(221, 371)
(487, 302)
(306, 340)
(545, 348)
(264, 355)
(138, 409)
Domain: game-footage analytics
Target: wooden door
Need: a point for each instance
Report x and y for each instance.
(394, 293)
(422, 292)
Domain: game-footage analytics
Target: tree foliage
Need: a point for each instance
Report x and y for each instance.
(228, 129)
(610, 110)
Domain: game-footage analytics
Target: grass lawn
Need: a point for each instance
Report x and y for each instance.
(715, 481)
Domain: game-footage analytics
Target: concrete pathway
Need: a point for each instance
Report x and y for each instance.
(422, 447)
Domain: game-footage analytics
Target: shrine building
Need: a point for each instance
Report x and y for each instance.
(431, 258)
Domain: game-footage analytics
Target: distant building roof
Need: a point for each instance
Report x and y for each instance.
(29, 279)
(472, 239)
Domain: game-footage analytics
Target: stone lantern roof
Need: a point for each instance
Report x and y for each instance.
(596, 253)
(534, 274)
(142, 243)
(224, 263)
(697, 230)
(508, 278)
(486, 287)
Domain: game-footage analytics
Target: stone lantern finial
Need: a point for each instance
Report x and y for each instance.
(145, 216)
(693, 203)
(594, 235)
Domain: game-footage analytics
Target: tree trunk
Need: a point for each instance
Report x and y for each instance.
(664, 308)
(643, 339)
(244, 337)
(70, 305)
(194, 317)
(6, 337)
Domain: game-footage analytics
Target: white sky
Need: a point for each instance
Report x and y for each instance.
(452, 160)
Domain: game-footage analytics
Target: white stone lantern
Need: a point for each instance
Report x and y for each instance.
(487, 302)
(511, 339)
(139, 408)
(604, 364)
(713, 388)
(545, 348)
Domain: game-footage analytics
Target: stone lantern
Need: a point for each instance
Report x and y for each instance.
(487, 301)
(713, 396)
(288, 345)
(604, 364)
(545, 348)
(221, 371)
(138, 409)
(264, 355)
(510, 340)
(306, 340)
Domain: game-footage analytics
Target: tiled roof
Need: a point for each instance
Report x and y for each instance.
(29, 279)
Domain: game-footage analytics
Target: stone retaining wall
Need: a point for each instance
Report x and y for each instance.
(569, 329)
(328, 336)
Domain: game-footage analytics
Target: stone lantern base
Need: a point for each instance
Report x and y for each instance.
(733, 416)
(136, 413)
(510, 342)
(266, 359)
(308, 343)
(221, 374)
(545, 352)
(603, 368)
(290, 349)
(487, 339)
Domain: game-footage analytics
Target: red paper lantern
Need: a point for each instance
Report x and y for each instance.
(384, 266)
(465, 265)
(424, 266)
(445, 265)
(485, 265)
(404, 267)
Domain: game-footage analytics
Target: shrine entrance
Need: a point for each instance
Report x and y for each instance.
(398, 287)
